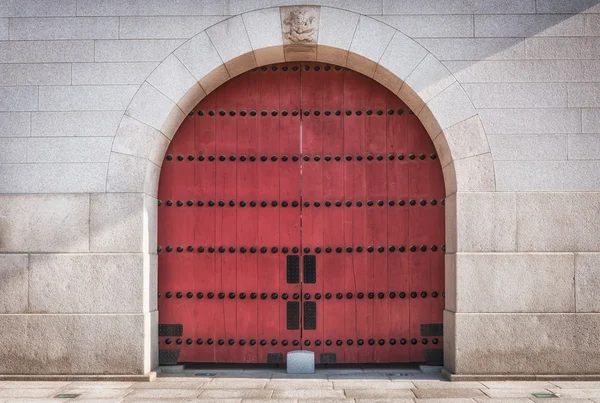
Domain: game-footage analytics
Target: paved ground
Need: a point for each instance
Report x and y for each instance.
(345, 386)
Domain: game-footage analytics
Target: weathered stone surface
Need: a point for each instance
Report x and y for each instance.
(111, 73)
(448, 108)
(313, 394)
(69, 149)
(472, 174)
(515, 282)
(336, 30)
(80, 123)
(14, 124)
(459, 7)
(529, 344)
(513, 392)
(300, 362)
(590, 120)
(370, 41)
(539, 147)
(165, 27)
(57, 28)
(86, 98)
(225, 383)
(229, 50)
(521, 95)
(53, 178)
(43, 8)
(431, 26)
(514, 26)
(563, 48)
(575, 6)
(17, 99)
(530, 121)
(90, 283)
(439, 393)
(13, 284)
(138, 139)
(46, 51)
(547, 176)
(35, 74)
(146, 50)
(475, 48)
(4, 29)
(583, 146)
(60, 226)
(127, 173)
(587, 282)
(71, 344)
(14, 150)
(372, 393)
(236, 393)
(264, 31)
(464, 139)
(584, 95)
(499, 71)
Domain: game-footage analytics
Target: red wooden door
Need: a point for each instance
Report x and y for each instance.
(301, 206)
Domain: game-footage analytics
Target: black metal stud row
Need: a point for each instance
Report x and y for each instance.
(295, 249)
(316, 67)
(274, 342)
(305, 112)
(307, 158)
(316, 203)
(306, 296)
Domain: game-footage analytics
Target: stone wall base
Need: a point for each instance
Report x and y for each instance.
(517, 377)
(149, 377)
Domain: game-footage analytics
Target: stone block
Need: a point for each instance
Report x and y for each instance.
(547, 175)
(14, 296)
(376, 393)
(336, 30)
(41, 8)
(587, 282)
(533, 147)
(584, 146)
(127, 173)
(574, 6)
(518, 385)
(368, 44)
(590, 120)
(558, 222)
(53, 178)
(514, 26)
(426, 81)
(14, 150)
(236, 393)
(159, 394)
(520, 95)
(71, 344)
(125, 50)
(498, 71)
(138, 139)
(69, 149)
(442, 384)
(300, 362)
(536, 344)
(81, 123)
(119, 222)
(472, 174)
(151, 278)
(17, 99)
(176, 82)
(563, 48)
(515, 282)
(451, 393)
(459, 7)
(399, 60)
(592, 25)
(46, 51)
(497, 233)
(226, 383)
(450, 273)
(61, 28)
(463, 140)
(530, 121)
(475, 48)
(44, 223)
(448, 108)
(513, 392)
(431, 26)
(313, 394)
(166, 27)
(35, 74)
(4, 29)
(229, 50)
(38, 394)
(299, 383)
(90, 283)
(111, 73)
(86, 98)
(152, 107)
(15, 124)
(264, 31)
(371, 383)
(584, 95)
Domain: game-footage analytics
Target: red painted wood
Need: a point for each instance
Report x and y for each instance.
(316, 89)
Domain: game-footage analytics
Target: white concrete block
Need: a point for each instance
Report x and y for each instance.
(69, 149)
(567, 7)
(532, 147)
(4, 29)
(459, 7)
(44, 223)
(563, 48)
(587, 282)
(111, 73)
(16, 99)
(57, 28)
(35, 8)
(590, 120)
(431, 26)
(221, 35)
(521, 95)
(530, 121)
(14, 124)
(547, 176)
(86, 98)
(369, 42)
(474, 48)
(14, 150)
(140, 140)
(584, 95)
(89, 283)
(515, 282)
(14, 284)
(135, 50)
(558, 221)
(53, 178)
(177, 83)
(84, 123)
(500, 71)
(513, 26)
(35, 74)
(584, 146)
(167, 27)
(46, 51)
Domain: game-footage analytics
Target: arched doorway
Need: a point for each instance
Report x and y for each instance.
(301, 206)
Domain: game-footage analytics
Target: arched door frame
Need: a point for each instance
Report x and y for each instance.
(259, 37)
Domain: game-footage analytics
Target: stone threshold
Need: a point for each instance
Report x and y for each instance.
(149, 377)
(517, 377)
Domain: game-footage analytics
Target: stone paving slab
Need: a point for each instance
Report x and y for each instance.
(445, 400)
(379, 393)
(504, 400)
(373, 383)
(578, 393)
(308, 393)
(29, 393)
(299, 384)
(513, 392)
(236, 383)
(437, 384)
(517, 384)
(236, 393)
(437, 393)
(384, 400)
(165, 393)
(575, 384)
